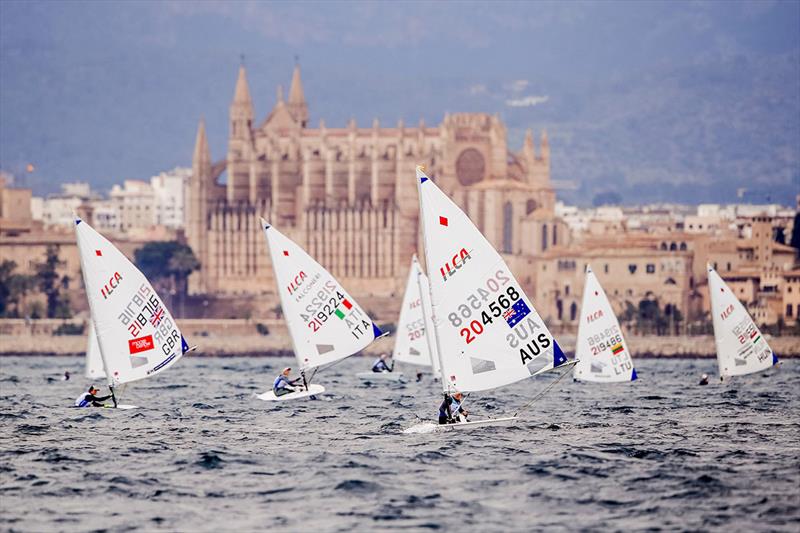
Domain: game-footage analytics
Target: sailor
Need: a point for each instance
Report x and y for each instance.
(283, 385)
(704, 379)
(419, 376)
(450, 409)
(66, 376)
(380, 364)
(90, 398)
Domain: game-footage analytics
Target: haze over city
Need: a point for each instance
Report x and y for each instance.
(698, 101)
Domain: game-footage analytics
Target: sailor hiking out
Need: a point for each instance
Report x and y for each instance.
(380, 364)
(450, 409)
(283, 385)
(90, 398)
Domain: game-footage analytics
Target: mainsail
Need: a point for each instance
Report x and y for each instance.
(414, 344)
(601, 350)
(94, 361)
(741, 349)
(487, 332)
(137, 335)
(325, 323)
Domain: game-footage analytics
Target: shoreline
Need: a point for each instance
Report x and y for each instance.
(278, 345)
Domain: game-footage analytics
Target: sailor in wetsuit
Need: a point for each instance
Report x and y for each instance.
(90, 398)
(380, 364)
(283, 385)
(451, 408)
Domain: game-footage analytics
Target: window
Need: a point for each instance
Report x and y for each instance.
(651, 268)
(788, 310)
(573, 311)
(560, 309)
(555, 234)
(632, 268)
(683, 247)
(605, 268)
(673, 247)
(508, 221)
(729, 266)
(544, 237)
(566, 290)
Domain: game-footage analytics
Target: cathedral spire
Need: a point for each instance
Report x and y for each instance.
(241, 110)
(241, 95)
(528, 147)
(202, 154)
(545, 146)
(297, 99)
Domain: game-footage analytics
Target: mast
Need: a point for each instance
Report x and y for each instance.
(427, 333)
(445, 387)
(272, 257)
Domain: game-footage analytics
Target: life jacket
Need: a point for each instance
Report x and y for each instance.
(82, 401)
(281, 382)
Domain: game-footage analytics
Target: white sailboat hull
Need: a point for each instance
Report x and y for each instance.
(380, 376)
(122, 406)
(433, 427)
(313, 389)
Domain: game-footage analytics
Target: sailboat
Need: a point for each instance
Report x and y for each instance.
(601, 350)
(94, 362)
(325, 323)
(487, 333)
(413, 339)
(136, 334)
(741, 348)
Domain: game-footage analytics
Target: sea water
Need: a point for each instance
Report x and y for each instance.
(203, 454)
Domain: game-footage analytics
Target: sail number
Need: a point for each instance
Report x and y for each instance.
(415, 329)
(485, 313)
(605, 340)
(326, 310)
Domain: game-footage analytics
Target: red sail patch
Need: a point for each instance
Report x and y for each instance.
(142, 344)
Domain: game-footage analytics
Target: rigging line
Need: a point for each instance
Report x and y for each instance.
(553, 384)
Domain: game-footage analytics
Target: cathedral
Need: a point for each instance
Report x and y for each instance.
(349, 197)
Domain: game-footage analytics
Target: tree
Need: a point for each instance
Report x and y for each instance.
(167, 264)
(49, 282)
(6, 272)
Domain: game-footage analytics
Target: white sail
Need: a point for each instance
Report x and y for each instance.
(94, 361)
(325, 323)
(487, 330)
(741, 349)
(137, 335)
(413, 344)
(601, 350)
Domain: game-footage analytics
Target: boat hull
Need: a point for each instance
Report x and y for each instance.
(380, 376)
(313, 389)
(432, 427)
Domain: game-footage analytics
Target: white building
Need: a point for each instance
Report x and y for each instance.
(134, 203)
(58, 209)
(168, 188)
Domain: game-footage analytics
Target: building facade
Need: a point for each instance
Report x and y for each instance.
(348, 195)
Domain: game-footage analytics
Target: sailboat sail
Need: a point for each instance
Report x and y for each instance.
(325, 323)
(741, 349)
(94, 361)
(601, 350)
(137, 335)
(489, 333)
(413, 344)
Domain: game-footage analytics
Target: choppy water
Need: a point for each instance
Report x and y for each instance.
(204, 455)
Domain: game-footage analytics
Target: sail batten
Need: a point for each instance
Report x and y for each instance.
(136, 334)
(601, 350)
(741, 348)
(488, 332)
(325, 323)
